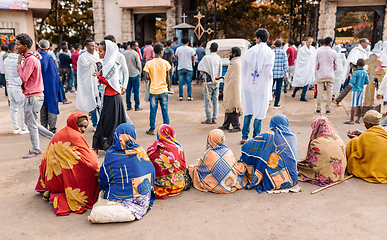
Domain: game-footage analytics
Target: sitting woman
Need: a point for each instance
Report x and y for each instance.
(168, 158)
(217, 171)
(127, 175)
(69, 170)
(271, 158)
(325, 161)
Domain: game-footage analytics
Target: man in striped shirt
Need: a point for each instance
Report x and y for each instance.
(280, 71)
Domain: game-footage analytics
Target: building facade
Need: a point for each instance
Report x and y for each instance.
(331, 9)
(21, 20)
(131, 20)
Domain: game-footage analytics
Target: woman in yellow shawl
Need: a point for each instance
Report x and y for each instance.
(367, 153)
(217, 171)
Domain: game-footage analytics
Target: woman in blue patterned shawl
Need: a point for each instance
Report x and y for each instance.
(127, 175)
(271, 158)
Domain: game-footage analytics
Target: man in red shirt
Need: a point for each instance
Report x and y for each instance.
(74, 60)
(32, 86)
(149, 54)
(291, 53)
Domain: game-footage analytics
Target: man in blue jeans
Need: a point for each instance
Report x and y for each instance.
(185, 56)
(211, 68)
(257, 83)
(280, 70)
(156, 70)
(134, 66)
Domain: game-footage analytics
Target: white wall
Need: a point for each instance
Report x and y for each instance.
(113, 20)
(14, 19)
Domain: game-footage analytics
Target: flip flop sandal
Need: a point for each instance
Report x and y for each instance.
(234, 130)
(31, 154)
(206, 122)
(348, 122)
(357, 121)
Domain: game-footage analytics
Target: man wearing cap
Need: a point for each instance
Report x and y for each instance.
(52, 93)
(366, 151)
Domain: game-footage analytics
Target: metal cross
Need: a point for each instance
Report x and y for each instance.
(184, 16)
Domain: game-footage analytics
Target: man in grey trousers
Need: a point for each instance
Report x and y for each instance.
(32, 86)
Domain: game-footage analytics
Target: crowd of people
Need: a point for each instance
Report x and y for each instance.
(133, 177)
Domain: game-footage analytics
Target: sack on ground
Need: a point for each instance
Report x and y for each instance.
(105, 211)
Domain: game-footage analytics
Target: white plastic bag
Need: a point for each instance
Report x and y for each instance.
(105, 211)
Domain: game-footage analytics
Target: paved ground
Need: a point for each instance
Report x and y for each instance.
(352, 210)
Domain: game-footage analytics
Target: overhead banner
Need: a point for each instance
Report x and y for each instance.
(12, 4)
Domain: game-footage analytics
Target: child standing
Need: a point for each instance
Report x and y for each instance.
(156, 71)
(358, 80)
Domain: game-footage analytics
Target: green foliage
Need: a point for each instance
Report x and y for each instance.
(75, 22)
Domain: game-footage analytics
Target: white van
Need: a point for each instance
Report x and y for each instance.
(225, 45)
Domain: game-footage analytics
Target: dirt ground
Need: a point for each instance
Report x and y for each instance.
(353, 209)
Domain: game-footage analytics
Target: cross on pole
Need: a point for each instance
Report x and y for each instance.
(373, 62)
(184, 16)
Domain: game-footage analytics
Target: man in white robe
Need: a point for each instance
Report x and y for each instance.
(357, 52)
(211, 67)
(257, 82)
(88, 98)
(339, 70)
(305, 69)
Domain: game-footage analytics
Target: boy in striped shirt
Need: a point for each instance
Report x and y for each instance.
(358, 80)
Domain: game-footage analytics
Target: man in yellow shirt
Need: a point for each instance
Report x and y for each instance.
(156, 71)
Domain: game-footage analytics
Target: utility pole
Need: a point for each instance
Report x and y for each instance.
(215, 19)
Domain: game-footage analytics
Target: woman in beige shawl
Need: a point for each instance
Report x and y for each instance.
(325, 162)
(232, 99)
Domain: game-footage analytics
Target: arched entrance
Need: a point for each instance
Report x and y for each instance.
(150, 26)
(377, 23)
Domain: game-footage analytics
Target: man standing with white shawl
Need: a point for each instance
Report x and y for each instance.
(339, 70)
(257, 82)
(357, 52)
(88, 98)
(305, 68)
(211, 67)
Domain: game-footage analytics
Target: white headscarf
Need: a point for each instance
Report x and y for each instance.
(377, 47)
(337, 48)
(383, 54)
(110, 68)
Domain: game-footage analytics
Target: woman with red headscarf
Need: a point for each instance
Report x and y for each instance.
(167, 156)
(69, 169)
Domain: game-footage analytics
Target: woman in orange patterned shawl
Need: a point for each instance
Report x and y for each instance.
(217, 171)
(69, 169)
(168, 158)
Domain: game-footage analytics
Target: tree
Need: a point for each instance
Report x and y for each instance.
(282, 18)
(68, 20)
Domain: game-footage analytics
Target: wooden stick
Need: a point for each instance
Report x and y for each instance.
(318, 190)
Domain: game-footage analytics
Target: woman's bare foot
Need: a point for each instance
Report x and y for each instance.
(95, 150)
